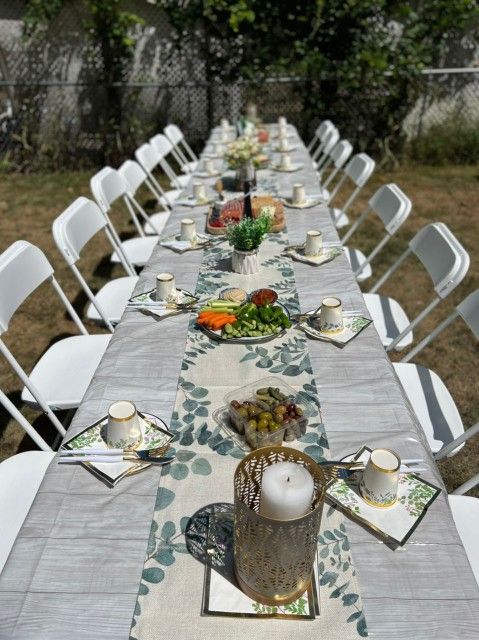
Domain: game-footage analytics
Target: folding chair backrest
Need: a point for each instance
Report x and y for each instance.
(23, 268)
(330, 140)
(391, 205)
(147, 156)
(173, 133)
(468, 309)
(76, 226)
(161, 144)
(133, 175)
(360, 168)
(341, 152)
(107, 186)
(323, 129)
(442, 255)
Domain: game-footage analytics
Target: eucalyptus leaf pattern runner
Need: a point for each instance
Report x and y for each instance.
(200, 481)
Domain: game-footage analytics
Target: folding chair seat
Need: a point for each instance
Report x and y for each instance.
(433, 404)
(445, 260)
(62, 375)
(72, 230)
(392, 207)
(20, 479)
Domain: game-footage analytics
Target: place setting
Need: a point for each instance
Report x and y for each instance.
(314, 251)
(382, 492)
(286, 165)
(120, 444)
(300, 200)
(331, 324)
(198, 198)
(188, 239)
(165, 299)
(208, 170)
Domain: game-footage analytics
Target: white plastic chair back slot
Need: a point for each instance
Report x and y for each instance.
(392, 206)
(173, 133)
(147, 156)
(468, 309)
(107, 186)
(341, 152)
(330, 141)
(442, 255)
(161, 144)
(133, 175)
(75, 227)
(360, 168)
(23, 268)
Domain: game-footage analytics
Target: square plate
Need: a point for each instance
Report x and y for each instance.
(147, 302)
(294, 167)
(175, 243)
(156, 435)
(190, 201)
(394, 524)
(326, 255)
(307, 204)
(221, 594)
(353, 325)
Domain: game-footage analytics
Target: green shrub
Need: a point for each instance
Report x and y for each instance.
(448, 143)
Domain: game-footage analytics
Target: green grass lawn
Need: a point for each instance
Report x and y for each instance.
(30, 203)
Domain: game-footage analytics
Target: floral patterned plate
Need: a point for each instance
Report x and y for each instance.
(307, 204)
(156, 436)
(353, 325)
(175, 243)
(293, 167)
(395, 524)
(326, 255)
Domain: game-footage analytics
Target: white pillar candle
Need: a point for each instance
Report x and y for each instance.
(285, 163)
(199, 192)
(314, 243)
(188, 230)
(225, 125)
(286, 491)
(282, 122)
(299, 194)
(283, 144)
(165, 286)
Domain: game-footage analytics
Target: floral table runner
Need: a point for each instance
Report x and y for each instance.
(200, 481)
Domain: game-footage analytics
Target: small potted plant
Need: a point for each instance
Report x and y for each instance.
(245, 238)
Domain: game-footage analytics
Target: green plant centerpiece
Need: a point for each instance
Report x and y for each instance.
(245, 237)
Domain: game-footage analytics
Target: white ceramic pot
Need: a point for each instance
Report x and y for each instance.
(245, 262)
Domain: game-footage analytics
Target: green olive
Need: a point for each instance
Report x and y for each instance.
(266, 415)
(252, 424)
(243, 412)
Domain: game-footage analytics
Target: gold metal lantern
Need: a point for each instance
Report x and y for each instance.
(274, 559)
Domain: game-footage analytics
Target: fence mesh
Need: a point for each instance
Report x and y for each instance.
(54, 111)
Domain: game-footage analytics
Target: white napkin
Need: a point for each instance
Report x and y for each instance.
(179, 245)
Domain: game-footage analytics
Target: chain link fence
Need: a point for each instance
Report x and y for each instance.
(54, 112)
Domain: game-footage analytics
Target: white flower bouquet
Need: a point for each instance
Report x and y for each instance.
(242, 151)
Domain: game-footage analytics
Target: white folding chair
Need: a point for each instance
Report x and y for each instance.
(163, 148)
(183, 153)
(445, 260)
(392, 207)
(330, 141)
(135, 177)
(429, 396)
(316, 140)
(465, 511)
(62, 375)
(338, 156)
(107, 187)
(72, 230)
(358, 171)
(23, 422)
(148, 159)
(20, 479)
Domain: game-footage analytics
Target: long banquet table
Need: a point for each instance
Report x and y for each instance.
(76, 565)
